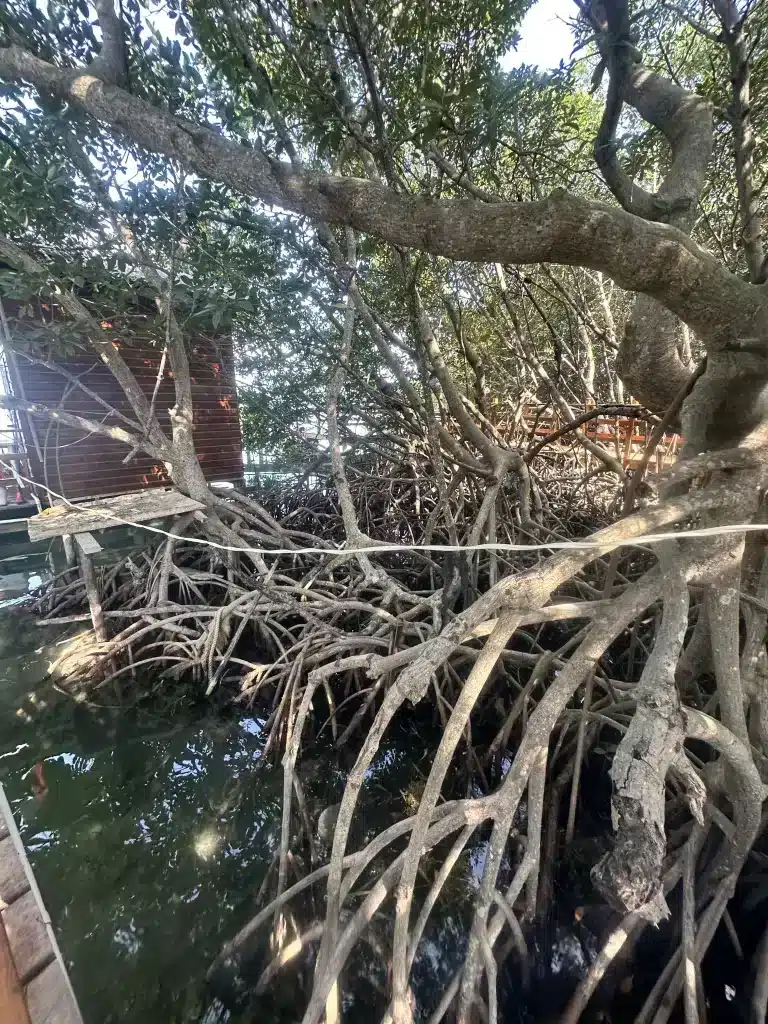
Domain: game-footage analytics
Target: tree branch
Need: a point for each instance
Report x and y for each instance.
(640, 256)
(649, 363)
(82, 423)
(111, 64)
(735, 38)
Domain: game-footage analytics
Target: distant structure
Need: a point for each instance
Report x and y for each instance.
(623, 434)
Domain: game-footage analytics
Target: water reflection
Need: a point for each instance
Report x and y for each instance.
(151, 832)
(147, 853)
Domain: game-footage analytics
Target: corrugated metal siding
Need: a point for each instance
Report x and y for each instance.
(80, 466)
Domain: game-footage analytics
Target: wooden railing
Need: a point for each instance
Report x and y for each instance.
(624, 435)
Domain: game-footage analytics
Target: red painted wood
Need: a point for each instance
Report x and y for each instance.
(82, 466)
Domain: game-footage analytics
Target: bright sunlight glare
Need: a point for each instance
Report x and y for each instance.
(546, 38)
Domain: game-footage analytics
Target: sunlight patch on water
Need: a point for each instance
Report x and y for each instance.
(206, 843)
(252, 726)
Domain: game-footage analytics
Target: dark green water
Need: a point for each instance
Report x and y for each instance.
(148, 834)
(146, 851)
(149, 831)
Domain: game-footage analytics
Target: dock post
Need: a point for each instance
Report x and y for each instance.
(87, 545)
(69, 550)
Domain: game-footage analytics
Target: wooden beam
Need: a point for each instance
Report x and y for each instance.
(88, 544)
(135, 507)
(91, 588)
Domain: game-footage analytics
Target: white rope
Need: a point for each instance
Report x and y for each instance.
(375, 549)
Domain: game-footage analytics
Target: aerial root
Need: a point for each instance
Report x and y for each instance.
(319, 631)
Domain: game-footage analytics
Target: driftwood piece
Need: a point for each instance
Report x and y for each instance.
(135, 507)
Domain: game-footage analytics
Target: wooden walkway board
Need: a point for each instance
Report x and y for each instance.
(34, 986)
(135, 507)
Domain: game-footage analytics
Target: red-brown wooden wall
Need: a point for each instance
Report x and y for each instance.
(80, 466)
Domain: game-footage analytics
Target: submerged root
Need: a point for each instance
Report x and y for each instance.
(78, 661)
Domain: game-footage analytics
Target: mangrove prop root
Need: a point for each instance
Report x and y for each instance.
(362, 639)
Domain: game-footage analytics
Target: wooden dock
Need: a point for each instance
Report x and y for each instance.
(105, 513)
(34, 984)
(621, 433)
(13, 518)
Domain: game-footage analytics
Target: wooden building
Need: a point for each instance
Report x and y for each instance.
(79, 465)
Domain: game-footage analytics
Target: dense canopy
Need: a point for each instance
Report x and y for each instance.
(438, 266)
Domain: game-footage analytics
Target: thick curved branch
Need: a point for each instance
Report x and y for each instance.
(649, 362)
(618, 55)
(745, 786)
(683, 118)
(639, 255)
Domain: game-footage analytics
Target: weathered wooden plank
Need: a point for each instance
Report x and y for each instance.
(13, 877)
(28, 936)
(13, 1007)
(136, 507)
(50, 999)
(88, 543)
(32, 946)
